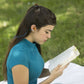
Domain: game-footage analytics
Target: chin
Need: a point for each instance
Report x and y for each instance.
(40, 43)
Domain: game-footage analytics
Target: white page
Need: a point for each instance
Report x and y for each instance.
(65, 57)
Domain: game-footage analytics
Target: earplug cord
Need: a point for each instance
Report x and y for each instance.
(21, 35)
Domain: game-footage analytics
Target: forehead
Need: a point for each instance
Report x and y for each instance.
(47, 27)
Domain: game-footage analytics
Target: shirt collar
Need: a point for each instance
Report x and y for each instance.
(29, 43)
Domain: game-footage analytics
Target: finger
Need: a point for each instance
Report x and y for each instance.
(66, 66)
(58, 67)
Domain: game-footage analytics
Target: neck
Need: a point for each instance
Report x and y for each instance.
(29, 38)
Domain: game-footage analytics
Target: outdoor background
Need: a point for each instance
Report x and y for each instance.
(68, 31)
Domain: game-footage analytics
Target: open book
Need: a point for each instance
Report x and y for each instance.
(65, 57)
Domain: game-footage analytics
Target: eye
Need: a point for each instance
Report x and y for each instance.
(46, 32)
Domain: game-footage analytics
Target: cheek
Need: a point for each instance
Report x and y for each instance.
(42, 35)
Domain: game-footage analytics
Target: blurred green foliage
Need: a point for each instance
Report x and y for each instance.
(67, 32)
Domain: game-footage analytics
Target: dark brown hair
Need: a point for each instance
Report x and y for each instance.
(38, 15)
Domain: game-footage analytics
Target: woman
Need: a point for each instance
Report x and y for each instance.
(24, 63)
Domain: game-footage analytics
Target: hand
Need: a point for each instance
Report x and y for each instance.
(58, 71)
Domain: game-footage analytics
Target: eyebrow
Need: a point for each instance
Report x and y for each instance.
(49, 30)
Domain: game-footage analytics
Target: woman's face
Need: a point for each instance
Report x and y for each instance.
(42, 35)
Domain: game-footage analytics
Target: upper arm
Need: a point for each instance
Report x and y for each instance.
(20, 74)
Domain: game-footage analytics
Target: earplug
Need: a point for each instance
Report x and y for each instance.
(34, 29)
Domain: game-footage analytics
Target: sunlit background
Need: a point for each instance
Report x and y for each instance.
(68, 31)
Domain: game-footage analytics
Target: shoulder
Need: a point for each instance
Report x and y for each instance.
(18, 55)
(20, 47)
(19, 51)
(24, 44)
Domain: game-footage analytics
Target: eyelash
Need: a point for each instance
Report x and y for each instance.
(46, 32)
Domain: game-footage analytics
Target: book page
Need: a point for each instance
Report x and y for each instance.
(65, 57)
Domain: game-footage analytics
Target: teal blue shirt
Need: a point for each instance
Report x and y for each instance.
(27, 54)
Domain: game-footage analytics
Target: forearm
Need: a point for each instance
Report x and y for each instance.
(44, 73)
(56, 72)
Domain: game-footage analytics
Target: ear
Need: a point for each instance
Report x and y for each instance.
(33, 28)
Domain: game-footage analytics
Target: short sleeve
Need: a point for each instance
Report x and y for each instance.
(19, 56)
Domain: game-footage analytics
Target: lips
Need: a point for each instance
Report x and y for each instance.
(45, 40)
